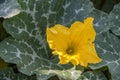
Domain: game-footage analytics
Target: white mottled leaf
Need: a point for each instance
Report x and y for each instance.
(9, 8)
(114, 19)
(94, 75)
(8, 74)
(27, 46)
(108, 48)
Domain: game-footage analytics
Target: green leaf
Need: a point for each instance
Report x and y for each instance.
(8, 74)
(114, 18)
(101, 23)
(3, 33)
(107, 44)
(82, 78)
(28, 47)
(108, 48)
(9, 8)
(94, 75)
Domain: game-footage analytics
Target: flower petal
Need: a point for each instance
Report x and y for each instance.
(88, 55)
(92, 55)
(82, 33)
(83, 59)
(89, 31)
(75, 32)
(74, 60)
(57, 37)
(63, 60)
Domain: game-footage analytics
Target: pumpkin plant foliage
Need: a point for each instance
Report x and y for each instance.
(93, 75)
(9, 8)
(27, 46)
(8, 74)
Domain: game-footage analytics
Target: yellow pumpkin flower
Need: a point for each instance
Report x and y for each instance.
(74, 44)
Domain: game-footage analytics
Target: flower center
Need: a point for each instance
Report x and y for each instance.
(70, 50)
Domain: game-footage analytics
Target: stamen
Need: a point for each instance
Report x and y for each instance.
(70, 51)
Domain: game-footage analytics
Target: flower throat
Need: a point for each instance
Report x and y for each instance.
(70, 51)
